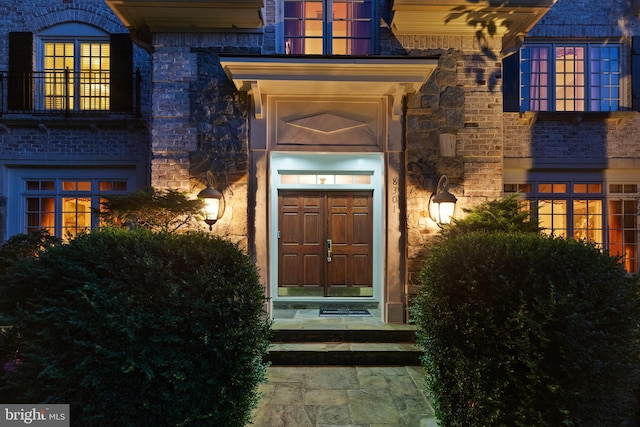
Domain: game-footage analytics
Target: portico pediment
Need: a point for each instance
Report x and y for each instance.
(357, 76)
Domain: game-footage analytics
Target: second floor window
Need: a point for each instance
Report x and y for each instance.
(70, 68)
(570, 77)
(76, 72)
(328, 27)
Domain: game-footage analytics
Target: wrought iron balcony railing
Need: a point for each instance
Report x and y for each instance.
(70, 93)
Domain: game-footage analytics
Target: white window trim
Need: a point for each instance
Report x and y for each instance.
(624, 102)
(16, 221)
(280, 43)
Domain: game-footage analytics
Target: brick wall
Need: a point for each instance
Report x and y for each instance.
(40, 141)
(581, 137)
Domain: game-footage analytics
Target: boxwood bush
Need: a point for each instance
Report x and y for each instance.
(134, 328)
(520, 329)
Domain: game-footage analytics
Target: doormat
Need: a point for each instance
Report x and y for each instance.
(344, 312)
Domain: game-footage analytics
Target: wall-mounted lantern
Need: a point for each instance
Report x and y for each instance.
(442, 204)
(213, 203)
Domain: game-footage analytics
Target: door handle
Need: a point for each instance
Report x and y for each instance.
(329, 247)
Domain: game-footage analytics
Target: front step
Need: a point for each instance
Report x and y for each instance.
(343, 348)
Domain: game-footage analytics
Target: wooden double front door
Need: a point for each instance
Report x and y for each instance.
(325, 243)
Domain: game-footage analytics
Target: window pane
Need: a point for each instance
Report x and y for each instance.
(605, 78)
(570, 93)
(552, 216)
(76, 216)
(58, 83)
(587, 220)
(535, 78)
(40, 214)
(94, 76)
(623, 232)
(303, 27)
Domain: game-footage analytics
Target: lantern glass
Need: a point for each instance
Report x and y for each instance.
(211, 208)
(445, 212)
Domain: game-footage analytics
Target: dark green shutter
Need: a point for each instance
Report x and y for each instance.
(121, 73)
(20, 85)
(511, 83)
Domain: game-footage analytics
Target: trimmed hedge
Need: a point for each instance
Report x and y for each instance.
(520, 329)
(134, 328)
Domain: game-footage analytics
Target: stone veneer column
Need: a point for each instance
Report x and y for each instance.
(463, 101)
(395, 279)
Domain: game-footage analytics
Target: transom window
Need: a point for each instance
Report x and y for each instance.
(338, 27)
(570, 77)
(312, 179)
(577, 210)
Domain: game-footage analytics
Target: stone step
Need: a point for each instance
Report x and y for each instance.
(343, 354)
(349, 347)
(344, 335)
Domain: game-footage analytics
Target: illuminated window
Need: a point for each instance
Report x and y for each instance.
(76, 75)
(566, 209)
(64, 207)
(578, 210)
(338, 27)
(581, 77)
(623, 224)
(325, 179)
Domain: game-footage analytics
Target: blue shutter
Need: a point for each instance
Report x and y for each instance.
(511, 83)
(635, 73)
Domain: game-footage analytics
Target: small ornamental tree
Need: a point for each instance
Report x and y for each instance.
(521, 329)
(138, 328)
(157, 210)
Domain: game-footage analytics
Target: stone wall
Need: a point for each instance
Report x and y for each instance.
(462, 100)
(200, 122)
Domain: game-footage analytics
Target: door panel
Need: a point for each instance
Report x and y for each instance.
(301, 244)
(307, 221)
(350, 228)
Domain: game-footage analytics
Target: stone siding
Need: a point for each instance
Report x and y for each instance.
(200, 122)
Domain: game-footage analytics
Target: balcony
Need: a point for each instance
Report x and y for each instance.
(65, 95)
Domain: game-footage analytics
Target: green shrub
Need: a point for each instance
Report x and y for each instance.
(494, 215)
(134, 328)
(14, 250)
(520, 329)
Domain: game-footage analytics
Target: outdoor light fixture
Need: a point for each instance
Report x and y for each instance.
(213, 203)
(442, 204)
